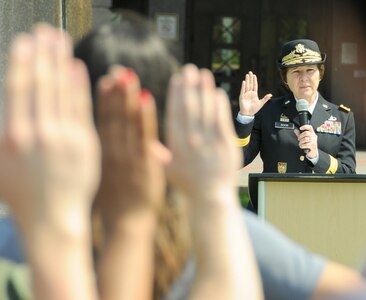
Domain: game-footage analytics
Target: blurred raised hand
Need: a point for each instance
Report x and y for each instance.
(50, 158)
(205, 160)
(133, 185)
(200, 134)
(49, 146)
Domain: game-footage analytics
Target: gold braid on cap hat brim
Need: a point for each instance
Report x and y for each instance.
(306, 56)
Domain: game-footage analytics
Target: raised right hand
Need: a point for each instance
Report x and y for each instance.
(249, 101)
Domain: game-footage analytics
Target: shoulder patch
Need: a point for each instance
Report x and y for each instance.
(344, 108)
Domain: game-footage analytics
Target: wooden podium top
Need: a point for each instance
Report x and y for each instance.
(254, 178)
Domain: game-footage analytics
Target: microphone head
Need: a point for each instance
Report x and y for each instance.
(302, 105)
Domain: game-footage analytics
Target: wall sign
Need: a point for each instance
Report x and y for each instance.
(349, 54)
(167, 25)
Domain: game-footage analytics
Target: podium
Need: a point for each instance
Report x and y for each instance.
(325, 213)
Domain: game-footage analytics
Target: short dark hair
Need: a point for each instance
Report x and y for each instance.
(283, 73)
(130, 41)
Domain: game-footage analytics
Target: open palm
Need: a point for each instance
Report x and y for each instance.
(249, 101)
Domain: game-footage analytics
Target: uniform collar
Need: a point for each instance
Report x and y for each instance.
(319, 112)
(289, 108)
(312, 106)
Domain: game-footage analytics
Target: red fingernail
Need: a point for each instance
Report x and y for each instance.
(126, 76)
(145, 96)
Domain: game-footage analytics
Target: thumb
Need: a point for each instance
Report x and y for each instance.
(265, 99)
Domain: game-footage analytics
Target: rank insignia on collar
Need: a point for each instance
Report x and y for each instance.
(281, 167)
(284, 118)
(287, 102)
(332, 118)
(325, 106)
(330, 127)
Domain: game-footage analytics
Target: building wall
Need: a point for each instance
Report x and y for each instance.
(348, 64)
(168, 15)
(20, 15)
(17, 16)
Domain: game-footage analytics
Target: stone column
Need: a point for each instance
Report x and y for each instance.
(76, 16)
(20, 15)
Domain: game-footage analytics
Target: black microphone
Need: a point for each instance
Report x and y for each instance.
(302, 108)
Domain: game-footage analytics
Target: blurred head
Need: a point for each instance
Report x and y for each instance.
(132, 42)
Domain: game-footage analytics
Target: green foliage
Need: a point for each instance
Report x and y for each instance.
(244, 197)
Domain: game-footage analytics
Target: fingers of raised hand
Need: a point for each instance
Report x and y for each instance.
(182, 106)
(52, 72)
(127, 116)
(67, 76)
(117, 96)
(190, 88)
(191, 106)
(207, 93)
(198, 112)
(19, 80)
(39, 80)
(148, 116)
(128, 129)
(43, 88)
(249, 95)
(174, 114)
(243, 89)
(251, 82)
(82, 105)
(199, 131)
(118, 93)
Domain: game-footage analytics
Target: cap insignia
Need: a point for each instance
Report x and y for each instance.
(300, 48)
(300, 55)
